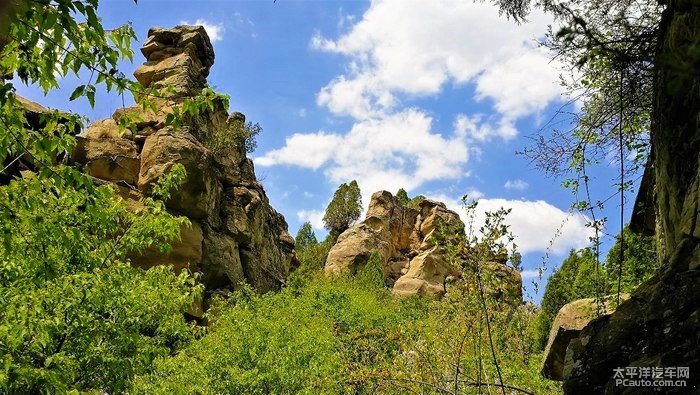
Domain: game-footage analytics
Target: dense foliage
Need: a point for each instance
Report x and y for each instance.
(74, 315)
(344, 209)
(319, 336)
(305, 237)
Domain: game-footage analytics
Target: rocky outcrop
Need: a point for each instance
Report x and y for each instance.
(659, 326)
(567, 326)
(36, 118)
(177, 59)
(406, 238)
(236, 236)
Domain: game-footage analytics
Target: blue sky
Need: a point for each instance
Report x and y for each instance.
(435, 97)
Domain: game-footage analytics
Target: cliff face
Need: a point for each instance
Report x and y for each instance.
(659, 326)
(236, 236)
(405, 238)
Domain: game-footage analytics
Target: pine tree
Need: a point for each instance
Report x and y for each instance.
(344, 210)
(305, 237)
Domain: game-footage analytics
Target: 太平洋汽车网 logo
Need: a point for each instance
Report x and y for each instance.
(651, 376)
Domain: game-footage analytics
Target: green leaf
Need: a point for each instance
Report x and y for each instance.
(77, 92)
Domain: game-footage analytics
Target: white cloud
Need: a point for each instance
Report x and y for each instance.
(397, 151)
(310, 150)
(214, 30)
(315, 217)
(302, 113)
(477, 128)
(402, 46)
(308, 194)
(400, 49)
(518, 185)
(534, 223)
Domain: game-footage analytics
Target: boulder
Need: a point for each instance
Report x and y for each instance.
(566, 327)
(186, 251)
(426, 274)
(106, 128)
(434, 213)
(354, 248)
(398, 219)
(146, 121)
(177, 59)
(221, 266)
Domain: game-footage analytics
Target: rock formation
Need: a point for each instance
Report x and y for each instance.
(404, 237)
(659, 326)
(567, 326)
(236, 236)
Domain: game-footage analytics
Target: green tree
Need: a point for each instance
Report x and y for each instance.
(640, 261)
(402, 195)
(576, 278)
(74, 315)
(344, 210)
(305, 237)
(238, 134)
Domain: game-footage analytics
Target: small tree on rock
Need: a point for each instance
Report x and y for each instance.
(402, 195)
(344, 209)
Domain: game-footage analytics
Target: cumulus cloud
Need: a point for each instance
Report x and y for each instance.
(401, 49)
(315, 217)
(534, 223)
(396, 151)
(518, 185)
(400, 46)
(214, 30)
(478, 128)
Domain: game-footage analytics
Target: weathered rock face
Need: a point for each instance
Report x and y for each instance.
(179, 57)
(567, 326)
(657, 327)
(236, 236)
(403, 237)
(660, 325)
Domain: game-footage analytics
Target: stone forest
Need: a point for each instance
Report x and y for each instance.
(142, 254)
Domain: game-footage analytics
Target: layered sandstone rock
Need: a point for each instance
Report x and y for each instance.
(406, 240)
(236, 236)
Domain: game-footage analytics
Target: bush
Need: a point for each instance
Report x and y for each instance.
(319, 338)
(577, 277)
(222, 140)
(73, 313)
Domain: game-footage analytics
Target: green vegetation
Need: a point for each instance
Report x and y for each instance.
(74, 315)
(238, 133)
(578, 278)
(318, 337)
(402, 195)
(344, 209)
(306, 237)
(339, 335)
